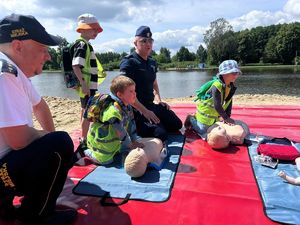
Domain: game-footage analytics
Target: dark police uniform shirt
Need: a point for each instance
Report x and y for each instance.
(143, 72)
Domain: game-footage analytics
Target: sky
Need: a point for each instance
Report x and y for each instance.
(174, 23)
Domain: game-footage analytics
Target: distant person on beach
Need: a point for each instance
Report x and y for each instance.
(85, 65)
(216, 104)
(153, 116)
(33, 163)
(113, 128)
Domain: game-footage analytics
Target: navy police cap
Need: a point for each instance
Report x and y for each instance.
(23, 27)
(143, 31)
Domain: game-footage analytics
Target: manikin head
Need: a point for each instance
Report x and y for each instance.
(217, 137)
(137, 160)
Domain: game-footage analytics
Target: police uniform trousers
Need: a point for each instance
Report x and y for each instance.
(169, 122)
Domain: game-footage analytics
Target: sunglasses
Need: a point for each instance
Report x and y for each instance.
(146, 40)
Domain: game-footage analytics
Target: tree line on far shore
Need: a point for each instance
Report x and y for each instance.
(274, 44)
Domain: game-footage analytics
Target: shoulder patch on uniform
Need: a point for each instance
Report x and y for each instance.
(6, 67)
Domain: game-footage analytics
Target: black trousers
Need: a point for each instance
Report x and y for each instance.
(169, 122)
(37, 172)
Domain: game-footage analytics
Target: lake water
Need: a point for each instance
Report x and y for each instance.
(174, 84)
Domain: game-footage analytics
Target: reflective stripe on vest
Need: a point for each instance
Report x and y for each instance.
(207, 115)
(102, 138)
(86, 70)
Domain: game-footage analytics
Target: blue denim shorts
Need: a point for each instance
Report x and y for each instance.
(199, 127)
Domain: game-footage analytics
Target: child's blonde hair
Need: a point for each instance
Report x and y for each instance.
(120, 83)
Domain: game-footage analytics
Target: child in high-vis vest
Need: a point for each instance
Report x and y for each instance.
(113, 128)
(216, 103)
(85, 64)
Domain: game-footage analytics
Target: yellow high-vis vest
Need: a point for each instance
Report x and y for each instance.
(206, 112)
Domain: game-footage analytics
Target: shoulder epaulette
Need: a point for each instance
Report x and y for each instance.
(6, 67)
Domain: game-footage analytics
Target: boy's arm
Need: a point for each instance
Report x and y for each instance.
(132, 128)
(78, 62)
(216, 94)
(121, 132)
(79, 75)
(124, 136)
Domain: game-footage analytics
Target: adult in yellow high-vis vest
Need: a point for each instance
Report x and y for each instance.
(216, 104)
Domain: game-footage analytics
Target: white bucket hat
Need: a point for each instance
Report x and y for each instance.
(229, 66)
(88, 21)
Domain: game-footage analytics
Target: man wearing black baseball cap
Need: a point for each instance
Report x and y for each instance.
(33, 163)
(21, 27)
(153, 119)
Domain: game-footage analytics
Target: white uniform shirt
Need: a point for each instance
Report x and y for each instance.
(17, 96)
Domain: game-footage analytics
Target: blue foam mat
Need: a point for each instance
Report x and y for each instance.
(153, 186)
(280, 199)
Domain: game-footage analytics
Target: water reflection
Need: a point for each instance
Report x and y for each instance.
(180, 84)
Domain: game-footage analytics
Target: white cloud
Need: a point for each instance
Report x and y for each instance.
(174, 39)
(258, 18)
(174, 23)
(292, 8)
(15, 6)
(192, 37)
(171, 39)
(118, 45)
(289, 13)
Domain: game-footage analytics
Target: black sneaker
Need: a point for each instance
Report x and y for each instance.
(187, 123)
(80, 149)
(78, 159)
(59, 217)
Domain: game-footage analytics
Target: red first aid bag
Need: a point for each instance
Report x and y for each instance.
(279, 148)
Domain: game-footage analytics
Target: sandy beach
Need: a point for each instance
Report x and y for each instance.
(66, 112)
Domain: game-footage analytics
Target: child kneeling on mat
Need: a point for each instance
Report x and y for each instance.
(113, 129)
(216, 102)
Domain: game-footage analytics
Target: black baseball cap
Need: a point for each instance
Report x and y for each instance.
(25, 27)
(143, 31)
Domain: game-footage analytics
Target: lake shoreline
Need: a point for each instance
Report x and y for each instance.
(66, 112)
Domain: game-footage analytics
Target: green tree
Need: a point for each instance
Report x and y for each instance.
(108, 57)
(55, 53)
(270, 54)
(214, 40)
(184, 55)
(153, 53)
(217, 29)
(54, 63)
(253, 43)
(245, 47)
(229, 48)
(164, 56)
(201, 54)
(287, 42)
(122, 55)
